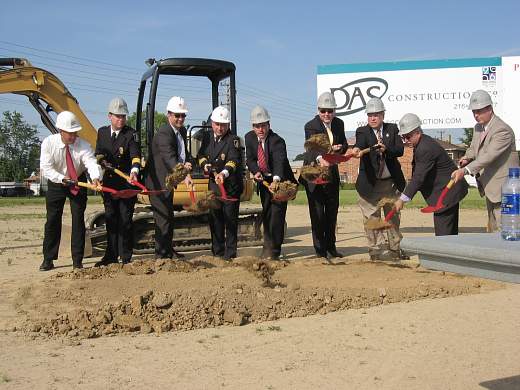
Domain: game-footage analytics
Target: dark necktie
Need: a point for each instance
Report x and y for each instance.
(114, 137)
(262, 163)
(71, 171)
(380, 157)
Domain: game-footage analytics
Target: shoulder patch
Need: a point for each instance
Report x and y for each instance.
(236, 142)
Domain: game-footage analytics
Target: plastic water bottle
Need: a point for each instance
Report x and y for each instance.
(510, 218)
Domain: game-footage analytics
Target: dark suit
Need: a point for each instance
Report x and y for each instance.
(431, 172)
(163, 159)
(224, 154)
(273, 213)
(122, 153)
(372, 188)
(324, 199)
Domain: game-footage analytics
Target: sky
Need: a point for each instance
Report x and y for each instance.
(98, 48)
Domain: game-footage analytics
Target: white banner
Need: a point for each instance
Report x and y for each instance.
(437, 91)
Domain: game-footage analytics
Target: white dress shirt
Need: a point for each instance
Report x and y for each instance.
(386, 173)
(53, 163)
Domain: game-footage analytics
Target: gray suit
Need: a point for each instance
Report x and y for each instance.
(491, 159)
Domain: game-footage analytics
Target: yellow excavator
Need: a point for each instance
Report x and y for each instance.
(49, 95)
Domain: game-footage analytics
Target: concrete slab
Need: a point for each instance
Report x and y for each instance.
(484, 255)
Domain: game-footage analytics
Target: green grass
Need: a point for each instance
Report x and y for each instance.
(38, 200)
(350, 198)
(9, 217)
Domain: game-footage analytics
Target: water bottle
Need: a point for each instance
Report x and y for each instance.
(510, 218)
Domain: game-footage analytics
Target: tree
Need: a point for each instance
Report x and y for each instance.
(19, 147)
(468, 136)
(159, 119)
(299, 157)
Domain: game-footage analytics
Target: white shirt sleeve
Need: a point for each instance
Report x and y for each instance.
(46, 162)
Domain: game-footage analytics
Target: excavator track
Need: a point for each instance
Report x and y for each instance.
(191, 230)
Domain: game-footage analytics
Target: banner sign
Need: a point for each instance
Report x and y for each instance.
(437, 91)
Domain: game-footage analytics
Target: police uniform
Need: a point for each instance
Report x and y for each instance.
(121, 151)
(223, 154)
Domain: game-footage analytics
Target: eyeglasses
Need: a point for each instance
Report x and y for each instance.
(176, 115)
(326, 111)
(407, 136)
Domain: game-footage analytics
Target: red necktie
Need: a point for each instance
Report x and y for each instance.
(71, 171)
(262, 163)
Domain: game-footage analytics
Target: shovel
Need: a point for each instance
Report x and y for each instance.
(223, 194)
(439, 205)
(334, 158)
(193, 206)
(91, 186)
(381, 224)
(277, 197)
(128, 193)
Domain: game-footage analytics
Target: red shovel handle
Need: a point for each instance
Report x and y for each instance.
(390, 215)
(444, 192)
(192, 195)
(223, 193)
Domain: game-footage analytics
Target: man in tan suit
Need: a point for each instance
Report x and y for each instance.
(491, 153)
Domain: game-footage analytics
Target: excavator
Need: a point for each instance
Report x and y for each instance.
(49, 96)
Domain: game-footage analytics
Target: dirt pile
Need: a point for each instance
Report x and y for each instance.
(162, 296)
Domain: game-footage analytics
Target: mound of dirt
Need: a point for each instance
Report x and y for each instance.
(160, 296)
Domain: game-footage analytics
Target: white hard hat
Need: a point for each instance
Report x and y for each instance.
(117, 106)
(176, 105)
(479, 99)
(408, 123)
(220, 115)
(68, 122)
(326, 100)
(374, 105)
(259, 115)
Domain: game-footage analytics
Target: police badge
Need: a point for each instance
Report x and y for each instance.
(121, 150)
(222, 156)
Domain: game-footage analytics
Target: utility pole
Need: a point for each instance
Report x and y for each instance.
(441, 132)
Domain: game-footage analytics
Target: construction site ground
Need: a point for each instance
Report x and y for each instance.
(300, 323)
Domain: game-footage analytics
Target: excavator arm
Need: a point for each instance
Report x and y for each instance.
(45, 92)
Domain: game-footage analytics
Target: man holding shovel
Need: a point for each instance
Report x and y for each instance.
(380, 176)
(66, 157)
(116, 148)
(431, 173)
(266, 156)
(220, 156)
(168, 149)
(491, 153)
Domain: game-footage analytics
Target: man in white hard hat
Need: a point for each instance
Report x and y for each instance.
(491, 153)
(64, 159)
(116, 148)
(323, 199)
(266, 159)
(220, 156)
(168, 149)
(380, 176)
(432, 169)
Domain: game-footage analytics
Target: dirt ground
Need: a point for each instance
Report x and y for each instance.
(348, 323)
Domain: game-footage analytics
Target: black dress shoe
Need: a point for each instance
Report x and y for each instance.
(398, 255)
(126, 261)
(77, 266)
(105, 262)
(335, 253)
(321, 255)
(177, 255)
(46, 266)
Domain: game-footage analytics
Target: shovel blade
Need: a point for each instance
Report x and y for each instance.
(124, 194)
(430, 209)
(335, 158)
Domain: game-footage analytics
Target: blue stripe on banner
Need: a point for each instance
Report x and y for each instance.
(409, 65)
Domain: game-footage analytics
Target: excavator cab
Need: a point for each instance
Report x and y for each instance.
(163, 79)
(189, 78)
